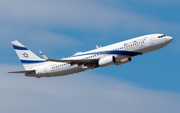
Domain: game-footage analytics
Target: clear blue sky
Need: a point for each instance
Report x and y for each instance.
(150, 83)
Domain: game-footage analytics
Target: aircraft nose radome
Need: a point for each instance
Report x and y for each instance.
(169, 39)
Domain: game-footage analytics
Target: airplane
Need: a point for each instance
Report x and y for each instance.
(117, 54)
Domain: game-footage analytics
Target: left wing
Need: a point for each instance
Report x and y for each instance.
(72, 61)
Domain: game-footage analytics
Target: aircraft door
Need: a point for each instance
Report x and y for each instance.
(45, 70)
(151, 41)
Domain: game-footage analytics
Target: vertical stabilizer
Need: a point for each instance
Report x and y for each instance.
(27, 57)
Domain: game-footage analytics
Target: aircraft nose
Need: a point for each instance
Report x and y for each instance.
(169, 39)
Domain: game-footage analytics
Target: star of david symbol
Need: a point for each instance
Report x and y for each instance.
(25, 55)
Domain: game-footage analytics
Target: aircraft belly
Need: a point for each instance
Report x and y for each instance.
(73, 70)
(66, 70)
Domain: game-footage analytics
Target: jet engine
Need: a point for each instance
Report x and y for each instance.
(123, 61)
(107, 61)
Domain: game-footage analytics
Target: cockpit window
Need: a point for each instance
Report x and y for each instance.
(161, 36)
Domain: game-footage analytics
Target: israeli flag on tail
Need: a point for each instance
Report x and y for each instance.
(27, 57)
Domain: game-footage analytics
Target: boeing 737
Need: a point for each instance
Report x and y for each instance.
(118, 53)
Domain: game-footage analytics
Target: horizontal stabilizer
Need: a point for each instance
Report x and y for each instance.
(28, 71)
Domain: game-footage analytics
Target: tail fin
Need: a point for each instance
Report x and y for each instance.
(27, 57)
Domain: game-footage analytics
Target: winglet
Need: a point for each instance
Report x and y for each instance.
(97, 46)
(44, 56)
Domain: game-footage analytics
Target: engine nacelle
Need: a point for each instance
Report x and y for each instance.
(123, 61)
(107, 61)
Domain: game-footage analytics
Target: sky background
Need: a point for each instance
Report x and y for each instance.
(60, 28)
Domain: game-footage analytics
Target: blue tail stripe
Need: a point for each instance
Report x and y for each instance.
(32, 61)
(19, 48)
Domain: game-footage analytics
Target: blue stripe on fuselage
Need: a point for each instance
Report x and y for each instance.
(128, 53)
(19, 48)
(32, 61)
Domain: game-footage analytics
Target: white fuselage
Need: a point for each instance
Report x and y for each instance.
(118, 53)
